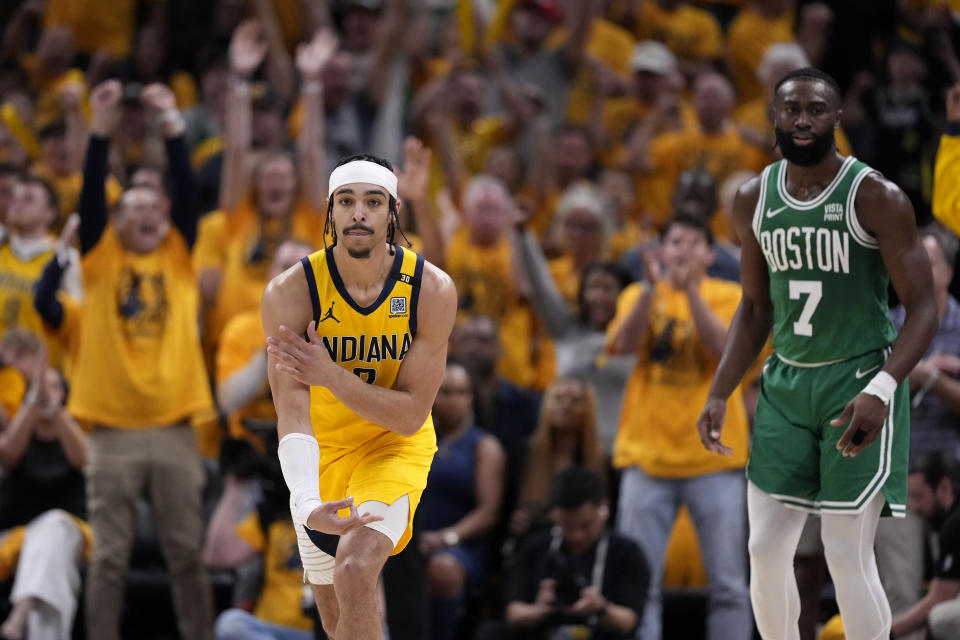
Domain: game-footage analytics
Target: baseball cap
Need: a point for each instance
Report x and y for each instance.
(653, 56)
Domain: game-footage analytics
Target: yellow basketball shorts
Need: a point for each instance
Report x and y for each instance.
(382, 469)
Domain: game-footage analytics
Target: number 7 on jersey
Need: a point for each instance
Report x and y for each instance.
(814, 290)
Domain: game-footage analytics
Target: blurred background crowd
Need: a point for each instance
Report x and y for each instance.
(552, 155)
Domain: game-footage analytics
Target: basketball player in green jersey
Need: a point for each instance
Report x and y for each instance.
(822, 235)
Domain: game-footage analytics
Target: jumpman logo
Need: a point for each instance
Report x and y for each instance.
(329, 315)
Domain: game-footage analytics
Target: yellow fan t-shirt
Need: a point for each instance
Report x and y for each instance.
(669, 385)
(138, 362)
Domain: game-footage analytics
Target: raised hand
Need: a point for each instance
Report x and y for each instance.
(71, 96)
(414, 177)
(106, 95)
(325, 519)
(247, 48)
(313, 56)
(158, 97)
(104, 100)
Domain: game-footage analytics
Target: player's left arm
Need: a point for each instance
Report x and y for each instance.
(884, 211)
(404, 408)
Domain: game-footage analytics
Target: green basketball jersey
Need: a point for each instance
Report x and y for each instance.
(828, 283)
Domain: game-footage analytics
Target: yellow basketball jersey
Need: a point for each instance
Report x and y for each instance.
(17, 278)
(369, 341)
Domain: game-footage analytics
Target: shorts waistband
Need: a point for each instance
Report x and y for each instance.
(811, 365)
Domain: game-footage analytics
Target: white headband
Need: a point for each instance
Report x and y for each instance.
(363, 171)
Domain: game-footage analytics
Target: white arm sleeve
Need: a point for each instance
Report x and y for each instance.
(243, 386)
(300, 462)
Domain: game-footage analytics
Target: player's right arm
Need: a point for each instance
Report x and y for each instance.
(751, 324)
(286, 302)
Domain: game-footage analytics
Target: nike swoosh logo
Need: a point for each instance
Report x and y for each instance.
(773, 212)
(860, 374)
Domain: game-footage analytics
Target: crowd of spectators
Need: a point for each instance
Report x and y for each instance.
(571, 164)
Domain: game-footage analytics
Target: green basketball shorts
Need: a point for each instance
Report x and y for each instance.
(793, 448)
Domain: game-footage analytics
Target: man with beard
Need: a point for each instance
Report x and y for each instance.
(933, 487)
(822, 235)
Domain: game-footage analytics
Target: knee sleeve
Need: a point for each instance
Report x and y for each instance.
(317, 565)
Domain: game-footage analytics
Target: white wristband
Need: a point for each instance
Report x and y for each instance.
(883, 386)
(299, 456)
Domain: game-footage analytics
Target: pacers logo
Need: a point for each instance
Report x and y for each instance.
(142, 303)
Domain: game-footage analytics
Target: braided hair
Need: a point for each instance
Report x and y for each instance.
(393, 224)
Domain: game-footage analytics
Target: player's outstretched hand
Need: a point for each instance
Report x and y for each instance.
(866, 414)
(710, 426)
(325, 519)
(306, 362)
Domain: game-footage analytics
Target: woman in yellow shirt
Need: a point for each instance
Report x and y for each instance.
(286, 198)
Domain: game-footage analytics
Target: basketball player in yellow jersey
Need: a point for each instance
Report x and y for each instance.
(353, 399)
